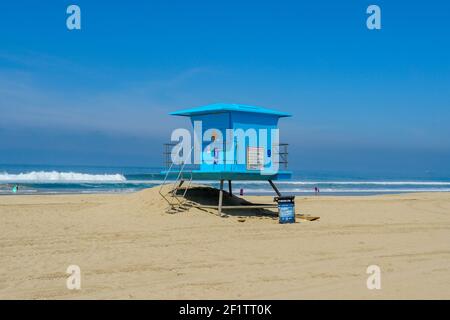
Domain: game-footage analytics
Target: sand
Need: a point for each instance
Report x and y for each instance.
(128, 248)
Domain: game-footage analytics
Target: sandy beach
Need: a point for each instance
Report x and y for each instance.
(128, 248)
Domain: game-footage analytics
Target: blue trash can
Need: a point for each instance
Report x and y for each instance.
(286, 209)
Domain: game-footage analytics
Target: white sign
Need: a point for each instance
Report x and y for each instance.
(255, 158)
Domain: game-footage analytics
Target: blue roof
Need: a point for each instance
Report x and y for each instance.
(226, 107)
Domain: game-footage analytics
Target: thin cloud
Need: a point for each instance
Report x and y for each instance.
(132, 109)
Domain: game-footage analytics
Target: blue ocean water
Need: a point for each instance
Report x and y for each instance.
(47, 179)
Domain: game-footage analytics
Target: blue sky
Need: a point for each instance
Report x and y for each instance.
(361, 99)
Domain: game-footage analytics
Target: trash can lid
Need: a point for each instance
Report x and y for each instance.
(284, 199)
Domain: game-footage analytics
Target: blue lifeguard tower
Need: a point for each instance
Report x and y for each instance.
(231, 142)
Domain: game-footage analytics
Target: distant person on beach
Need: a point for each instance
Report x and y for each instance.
(15, 188)
(315, 190)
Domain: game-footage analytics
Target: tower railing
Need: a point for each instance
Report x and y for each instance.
(168, 163)
(280, 150)
(181, 175)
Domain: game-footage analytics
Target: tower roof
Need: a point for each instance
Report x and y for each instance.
(227, 107)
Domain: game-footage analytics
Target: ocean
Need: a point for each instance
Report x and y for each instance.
(47, 179)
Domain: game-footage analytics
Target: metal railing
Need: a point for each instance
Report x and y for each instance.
(168, 163)
(181, 177)
(281, 151)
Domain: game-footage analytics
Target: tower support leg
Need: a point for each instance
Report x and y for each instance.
(275, 188)
(220, 197)
(230, 190)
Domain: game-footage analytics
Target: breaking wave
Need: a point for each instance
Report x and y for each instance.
(61, 177)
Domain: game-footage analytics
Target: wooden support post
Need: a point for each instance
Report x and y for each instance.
(275, 188)
(230, 190)
(220, 197)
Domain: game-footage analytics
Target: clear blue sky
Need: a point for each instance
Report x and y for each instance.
(361, 99)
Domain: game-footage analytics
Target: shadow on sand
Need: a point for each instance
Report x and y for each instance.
(208, 196)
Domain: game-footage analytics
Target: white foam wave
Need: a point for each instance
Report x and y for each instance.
(61, 177)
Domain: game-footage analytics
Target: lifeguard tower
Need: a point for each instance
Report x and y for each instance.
(231, 142)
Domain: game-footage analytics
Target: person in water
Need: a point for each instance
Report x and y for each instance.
(15, 188)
